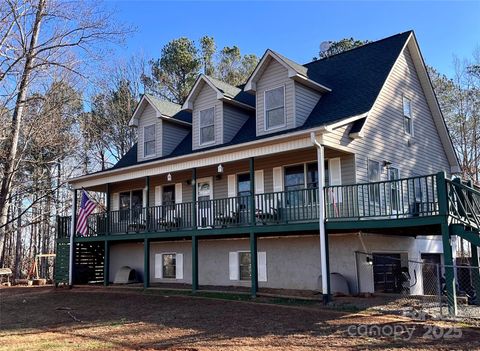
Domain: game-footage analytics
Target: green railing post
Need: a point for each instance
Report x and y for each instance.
(146, 263)
(106, 264)
(107, 208)
(254, 265)
(442, 194)
(252, 190)
(147, 200)
(194, 264)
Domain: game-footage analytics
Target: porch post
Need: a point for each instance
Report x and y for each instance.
(106, 264)
(72, 238)
(194, 198)
(194, 264)
(254, 265)
(146, 263)
(325, 267)
(107, 208)
(447, 246)
(252, 190)
(147, 201)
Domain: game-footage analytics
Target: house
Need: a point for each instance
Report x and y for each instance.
(246, 186)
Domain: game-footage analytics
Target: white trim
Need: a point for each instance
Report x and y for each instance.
(134, 119)
(310, 83)
(265, 109)
(188, 104)
(200, 126)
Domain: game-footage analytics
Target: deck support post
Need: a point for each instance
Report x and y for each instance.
(252, 190)
(325, 266)
(475, 272)
(254, 264)
(146, 263)
(106, 264)
(194, 264)
(107, 208)
(447, 246)
(72, 239)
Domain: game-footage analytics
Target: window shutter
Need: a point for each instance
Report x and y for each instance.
(259, 183)
(178, 193)
(178, 266)
(277, 179)
(158, 195)
(232, 185)
(262, 266)
(335, 174)
(158, 266)
(115, 201)
(233, 265)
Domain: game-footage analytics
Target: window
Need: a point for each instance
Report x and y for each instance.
(207, 126)
(394, 174)
(245, 265)
(169, 269)
(131, 203)
(312, 175)
(374, 176)
(274, 108)
(407, 116)
(149, 140)
(243, 190)
(294, 184)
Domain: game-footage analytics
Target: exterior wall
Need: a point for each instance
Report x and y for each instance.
(207, 98)
(172, 135)
(384, 137)
(305, 101)
(292, 262)
(274, 76)
(149, 117)
(233, 119)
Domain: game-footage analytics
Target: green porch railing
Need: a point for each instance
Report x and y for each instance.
(463, 203)
(63, 226)
(400, 198)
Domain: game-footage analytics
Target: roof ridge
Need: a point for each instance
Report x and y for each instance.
(359, 47)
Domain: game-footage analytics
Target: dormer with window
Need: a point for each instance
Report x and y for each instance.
(285, 94)
(161, 126)
(219, 110)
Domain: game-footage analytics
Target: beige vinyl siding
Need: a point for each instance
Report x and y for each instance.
(207, 98)
(274, 76)
(233, 119)
(147, 118)
(305, 101)
(172, 135)
(384, 136)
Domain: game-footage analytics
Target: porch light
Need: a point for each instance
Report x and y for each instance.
(369, 261)
(387, 164)
(220, 168)
(169, 177)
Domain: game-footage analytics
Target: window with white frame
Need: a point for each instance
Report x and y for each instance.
(374, 176)
(207, 126)
(149, 140)
(407, 116)
(245, 265)
(275, 108)
(169, 266)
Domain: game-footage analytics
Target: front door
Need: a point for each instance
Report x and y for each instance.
(204, 207)
(168, 203)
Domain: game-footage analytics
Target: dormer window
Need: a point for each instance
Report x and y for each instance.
(149, 140)
(275, 108)
(207, 126)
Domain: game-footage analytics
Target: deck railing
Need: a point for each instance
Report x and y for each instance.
(463, 203)
(409, 197)
(402, 198)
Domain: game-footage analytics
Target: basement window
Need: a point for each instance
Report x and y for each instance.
(169, 266)
(245, 265)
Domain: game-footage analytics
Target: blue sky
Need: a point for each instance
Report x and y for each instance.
(295, 29)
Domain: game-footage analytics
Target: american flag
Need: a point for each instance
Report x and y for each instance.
(86, 207)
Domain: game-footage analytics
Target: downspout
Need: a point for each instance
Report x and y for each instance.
(321, 217)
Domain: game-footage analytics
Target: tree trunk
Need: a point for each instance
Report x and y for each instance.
(18, 244)
(14, 135)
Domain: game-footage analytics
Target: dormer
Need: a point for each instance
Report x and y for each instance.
(219, 110)
(285, 93)
(161, 126)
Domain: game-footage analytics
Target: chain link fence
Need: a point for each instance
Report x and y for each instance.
(418, 285)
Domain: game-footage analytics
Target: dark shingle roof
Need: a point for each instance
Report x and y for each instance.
(355, 77)
(170, 109)
(233, 92)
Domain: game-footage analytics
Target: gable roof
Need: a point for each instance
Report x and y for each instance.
(224, 91)
(356, 78)
(165, 109)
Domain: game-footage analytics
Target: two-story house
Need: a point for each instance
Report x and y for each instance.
(247, 186)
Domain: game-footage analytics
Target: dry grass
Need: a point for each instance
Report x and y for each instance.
(111, 319)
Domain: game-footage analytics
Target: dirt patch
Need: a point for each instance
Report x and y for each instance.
(100, 319)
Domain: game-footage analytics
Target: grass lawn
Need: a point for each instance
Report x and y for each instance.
(120, 319)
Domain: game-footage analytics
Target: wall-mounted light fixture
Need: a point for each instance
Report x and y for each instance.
(387, 164)
(369, 261)
(169, 177)
(220, 168)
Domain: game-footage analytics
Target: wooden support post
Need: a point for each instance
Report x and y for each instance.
(254, 264)
(147, 201)
(194, 264)
(194, 198)
(146, 263)
(252, 190)
(108, 209)
(73, 231)
(106, 264)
